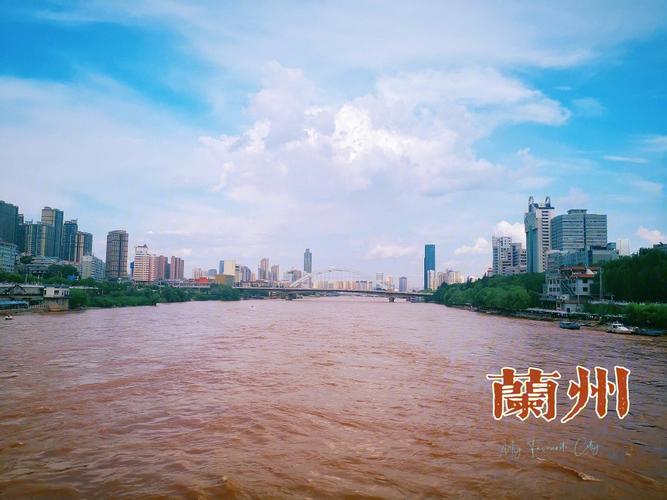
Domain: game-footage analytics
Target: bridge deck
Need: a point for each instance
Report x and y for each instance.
(324, 290)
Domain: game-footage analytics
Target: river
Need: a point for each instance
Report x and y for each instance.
(320, 398)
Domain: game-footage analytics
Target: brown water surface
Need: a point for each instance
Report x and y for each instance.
(320, 398)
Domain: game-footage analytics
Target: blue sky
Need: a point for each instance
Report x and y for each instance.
(359, 129)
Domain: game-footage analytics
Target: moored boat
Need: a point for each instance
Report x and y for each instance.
(617, 327)
(569, 325)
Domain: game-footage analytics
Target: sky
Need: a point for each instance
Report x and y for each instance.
(361, 130)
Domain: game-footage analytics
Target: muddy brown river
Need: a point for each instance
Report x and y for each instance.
(315, 398)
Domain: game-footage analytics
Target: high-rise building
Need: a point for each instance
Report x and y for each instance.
(263, 271)
(116, 256)
(623, 247)
(508, 257)
(143, 270)
(211, 273)
(403, 284)
(275, 273)
(84, 245)
(176, 268)
(9, 252)
(431, 278)
(34, 238)
(227, 267)
(537, 223)
(160, 266)
(577, 230)
(53, 246)
(308, 261)
(91, 267)
(9, 223)
(246, 274)
(71, 227)
(429, 264)
(197, 273)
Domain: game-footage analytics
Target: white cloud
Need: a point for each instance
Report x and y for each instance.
(516, 230)
(575, 198)
(625, 159)
(390, 250)
(588, 106)
(651, 236)
(480, 247)
(649, 187)
(655, 143)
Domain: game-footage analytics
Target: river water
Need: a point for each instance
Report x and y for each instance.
(320, 398)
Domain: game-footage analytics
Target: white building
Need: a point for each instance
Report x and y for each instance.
(537, 223)
(623, 247)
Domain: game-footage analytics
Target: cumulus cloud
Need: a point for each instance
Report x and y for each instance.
(414, 131)
(651, 236)
(481, 246)
(516, 230)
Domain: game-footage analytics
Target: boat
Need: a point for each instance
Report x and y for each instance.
(569, 325)
(617, 327)
(8, 317)
(651, 332)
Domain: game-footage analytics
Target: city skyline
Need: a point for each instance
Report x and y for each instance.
(363, 153)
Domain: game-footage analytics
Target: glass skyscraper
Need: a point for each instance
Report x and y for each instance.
(577, 230)
(116, 261)
(429, 263)
(308, 261)
(9, 223)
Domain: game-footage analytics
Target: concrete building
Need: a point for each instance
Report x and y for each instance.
(508, 257)
(429, 265)
(9, 252)
(91, 267)
(537, 223)
(431, 280)
(197, 273)
(227, 267)
(211, 273)
(9, 223)
(577, 230)
(623, 247)
(176, 268)
(84, 245)
(36, 239)
(53, 246)
(116, 255)
(143, 270)
(587, 257)
(307, 261)
(160, 267)
(263, 270)
(246, 274)
(275, 273)
(403, 284)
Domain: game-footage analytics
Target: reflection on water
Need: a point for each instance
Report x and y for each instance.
(313, 398)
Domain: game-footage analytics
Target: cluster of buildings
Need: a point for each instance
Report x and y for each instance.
(51, 240)
(434, 279)
(148, 267)
(569, 248)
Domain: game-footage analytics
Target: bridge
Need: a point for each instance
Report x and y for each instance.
(338, 281)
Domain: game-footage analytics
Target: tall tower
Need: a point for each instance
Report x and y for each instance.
(537, 223)
(308, 261)
(116, 258)
(69, 240)
(53, 246)
(9, 223)
(429, 263)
